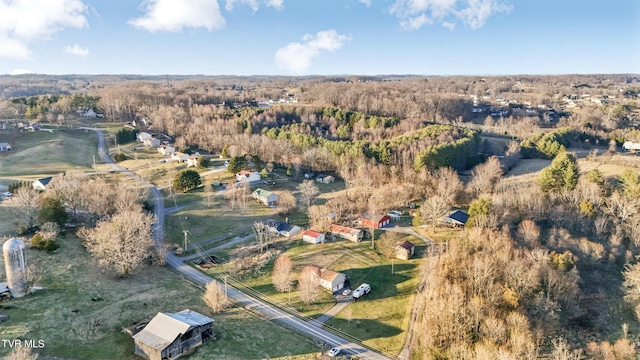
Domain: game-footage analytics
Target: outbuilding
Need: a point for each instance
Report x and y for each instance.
(313, 237)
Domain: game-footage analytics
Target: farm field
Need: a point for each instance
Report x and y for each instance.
(46, 153)
(82, 309)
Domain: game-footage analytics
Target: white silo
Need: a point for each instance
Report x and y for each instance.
(15, 266)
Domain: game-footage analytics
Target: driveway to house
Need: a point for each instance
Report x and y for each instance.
(268, 310)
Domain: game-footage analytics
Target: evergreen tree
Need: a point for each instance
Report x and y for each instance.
(187, 180)
(563, 173)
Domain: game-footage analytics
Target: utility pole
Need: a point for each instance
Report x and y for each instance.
(185, 239)
(392, 266)
(225, 286)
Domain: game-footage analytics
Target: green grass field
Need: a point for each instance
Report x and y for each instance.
(82, 309)
(380, 319)
(41, 152)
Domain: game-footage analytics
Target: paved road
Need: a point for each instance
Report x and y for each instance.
(270, 311)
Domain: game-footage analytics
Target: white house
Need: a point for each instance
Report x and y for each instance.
(192, 161)
(89, 114)
(313, 237)
(630, 145)
(151, 142)
(331, 280)
(266, 197)
(166, 150)
(142, 136)
(179, 157)
(5, 147)
(248, 176)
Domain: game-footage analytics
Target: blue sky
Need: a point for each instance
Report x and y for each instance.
(322, 37)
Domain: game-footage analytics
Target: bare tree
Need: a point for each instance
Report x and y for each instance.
(264, 235)
(215, 296)
(22, 353)
(319, 217)
(49, 230)
(309, 285)
(309, 191)
(388, 242)
(122, 242)
(433, 209)
(529, 232)
(447, 184)
(286, 202)
(485, 176)
(281, 277)
(69, 187)
(24, 206)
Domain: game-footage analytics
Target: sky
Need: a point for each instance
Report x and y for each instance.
(319, 37)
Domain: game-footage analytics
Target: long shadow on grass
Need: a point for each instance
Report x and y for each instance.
(364, 329)
(383, 282)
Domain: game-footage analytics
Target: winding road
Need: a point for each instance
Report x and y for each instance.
(269, 311)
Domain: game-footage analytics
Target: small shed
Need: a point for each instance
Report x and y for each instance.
(192, 161)
(405, 250)
(5, 147)
(455, 218)
(325, 179)
(313, 237)
(169, 336)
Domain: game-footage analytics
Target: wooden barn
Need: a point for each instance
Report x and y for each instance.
(169, 336)
(375, 221)
(344, 232)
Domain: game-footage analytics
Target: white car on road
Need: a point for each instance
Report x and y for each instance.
(333, 352)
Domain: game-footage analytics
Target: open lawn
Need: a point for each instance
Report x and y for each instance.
(381, 318)
(82, 309)
(46, 153)
(204, 223)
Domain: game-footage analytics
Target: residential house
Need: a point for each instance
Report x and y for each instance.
(313, 237)
(192, 161)
(266, 197)
(282, 228)
(89, 114)
(41, 184)
(169, 336)
(248, 176)
(455, 218)
(166, 150)
(374, 221)
(151, 142)
(630, 145)
(142, 136)
(5, 147)
(328, 279)
(179, 157)
(347, 233)
(405, 250)
(325, 179)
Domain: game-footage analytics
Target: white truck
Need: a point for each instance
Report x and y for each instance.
(361, 290)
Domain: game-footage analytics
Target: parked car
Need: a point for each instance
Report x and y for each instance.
(346, 292)
(333, 352)
(7, 194)
(394, 213)
(363, 289)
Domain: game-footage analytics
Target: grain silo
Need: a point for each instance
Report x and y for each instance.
(15, 266)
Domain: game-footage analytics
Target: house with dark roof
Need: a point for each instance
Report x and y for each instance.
(169, 336)
(455, 218)
(41, 184)
(282, 228)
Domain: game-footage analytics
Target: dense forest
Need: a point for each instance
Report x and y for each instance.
(548, 264)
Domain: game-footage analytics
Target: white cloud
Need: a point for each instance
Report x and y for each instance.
(25, 21)
(366, 2)
(253, 4)
(296, 57)
(173, 16)
(449, 25)
(275, 3)
(76, 50)
(20, 72)
(413, 14)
